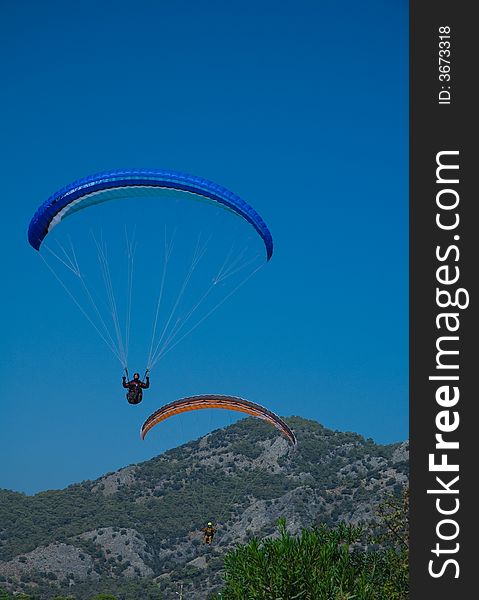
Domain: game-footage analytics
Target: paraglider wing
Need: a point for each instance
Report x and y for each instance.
(177, 244)
(217, 401)
(109, 185)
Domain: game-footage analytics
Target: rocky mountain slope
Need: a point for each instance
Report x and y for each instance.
(135, 532)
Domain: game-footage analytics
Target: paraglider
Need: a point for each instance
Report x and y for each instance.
(217, 401)
(229, 479)
(208, 533)
(200, 243)
(135, 388)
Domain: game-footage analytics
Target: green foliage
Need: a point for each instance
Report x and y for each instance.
(245, 448)
(392, 527)
(112, 589)
(4, 595)
(392, 531)
(320, 564)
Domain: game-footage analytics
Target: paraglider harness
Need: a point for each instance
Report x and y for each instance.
(135, 388)
(208, 534)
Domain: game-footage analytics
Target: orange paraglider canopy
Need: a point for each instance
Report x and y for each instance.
(217, 401)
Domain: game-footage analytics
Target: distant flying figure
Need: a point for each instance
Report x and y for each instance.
(208, 533)
(135, 388)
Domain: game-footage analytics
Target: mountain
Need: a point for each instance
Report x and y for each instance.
(135, 532)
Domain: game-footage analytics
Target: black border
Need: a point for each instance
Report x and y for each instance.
(435, 128)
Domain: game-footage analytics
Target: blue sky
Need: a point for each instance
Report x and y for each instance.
(300, 110)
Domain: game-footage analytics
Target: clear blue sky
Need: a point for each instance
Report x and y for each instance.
(300, 108)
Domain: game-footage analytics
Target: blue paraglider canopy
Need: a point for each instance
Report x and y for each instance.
(107, 185)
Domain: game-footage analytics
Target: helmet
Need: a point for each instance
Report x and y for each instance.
(210, 523)
(136, 376)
